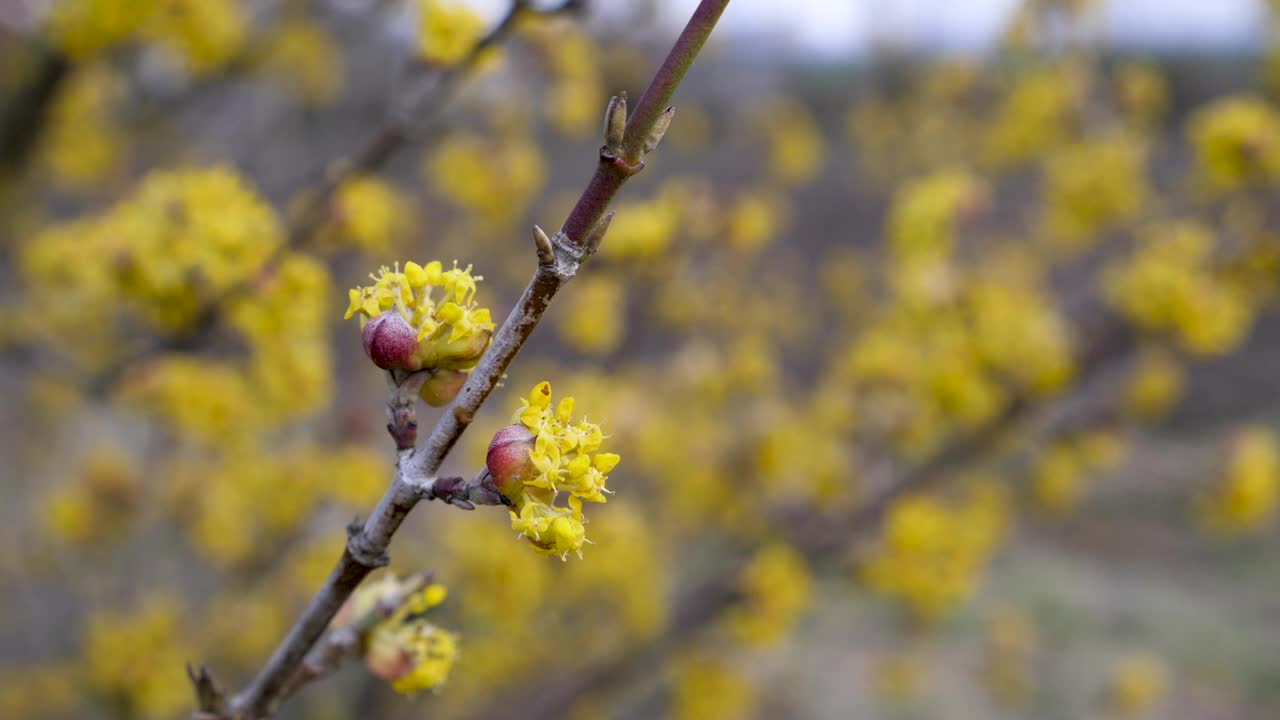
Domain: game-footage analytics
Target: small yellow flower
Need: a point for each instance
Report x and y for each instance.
(436, 307)
(544, 454)
(404, 649)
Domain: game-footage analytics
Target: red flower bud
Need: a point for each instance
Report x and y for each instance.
(508, 459)
(390, 341)
(441, 387)
(385, 654)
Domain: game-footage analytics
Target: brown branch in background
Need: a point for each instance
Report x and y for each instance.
(414, 480)
(820, 539)
(21, 126)
(404, 125)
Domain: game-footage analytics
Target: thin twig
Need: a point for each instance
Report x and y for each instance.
(414, 479)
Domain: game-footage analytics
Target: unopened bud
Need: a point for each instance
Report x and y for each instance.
(385, 652)
(659, 129)
(508, 459)
(389, 341)
(463, 352)
(546, 255)
(442, 387)
(615, 122)
(595, 236)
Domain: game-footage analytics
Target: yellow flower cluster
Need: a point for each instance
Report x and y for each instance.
(1237, 142)
(1009, 657)
(900, 675)
(205, 34)
(1061, 473)
(463, 168)
(137, 657)
(448, 30)
(303, 57)
(1142, 93)
(803, 452)
(267, 494)
(182, 238)
(932, 553)
(405, 649)
(753, 220)
(926, 211)
(565, 458)
(99, 505)
(285, 375)
(708, 689)
(1246, 496)
(1170, 283)
(81, 145)
(1137, 682)
(794, 145)
(1155, 385)
(1035, 115)
(776, 586)
(1092, 185)
(921, 373)
(40, 689)
(284, 321)
(592, 318)
(576, 95)
(451, 331)
(643, 229)
(371, 213)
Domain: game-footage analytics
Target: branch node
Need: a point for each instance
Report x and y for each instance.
(359, 548)
(565, 257)
(608, 157)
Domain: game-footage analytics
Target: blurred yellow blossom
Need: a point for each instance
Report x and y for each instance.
(372, 213)
(931, 553)
(1155, 385)
(593, 321)
(1090, 186)
(1009, 657)
(776, 584)
(1171, 283)
(304, 57)
(138, 656)
(1245, 496)
(1237, 142)
(404, 648)
(82, 145)
(448, 30)
(707, 689)
(1137, 682)
(465, 169)
(794, 143)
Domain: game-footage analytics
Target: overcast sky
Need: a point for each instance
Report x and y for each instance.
(836, 28)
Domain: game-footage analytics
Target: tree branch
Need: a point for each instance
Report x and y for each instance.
(416, 468)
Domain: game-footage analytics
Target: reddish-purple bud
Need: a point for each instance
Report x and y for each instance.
(508, 459)
(390, 341)
(442, 387)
